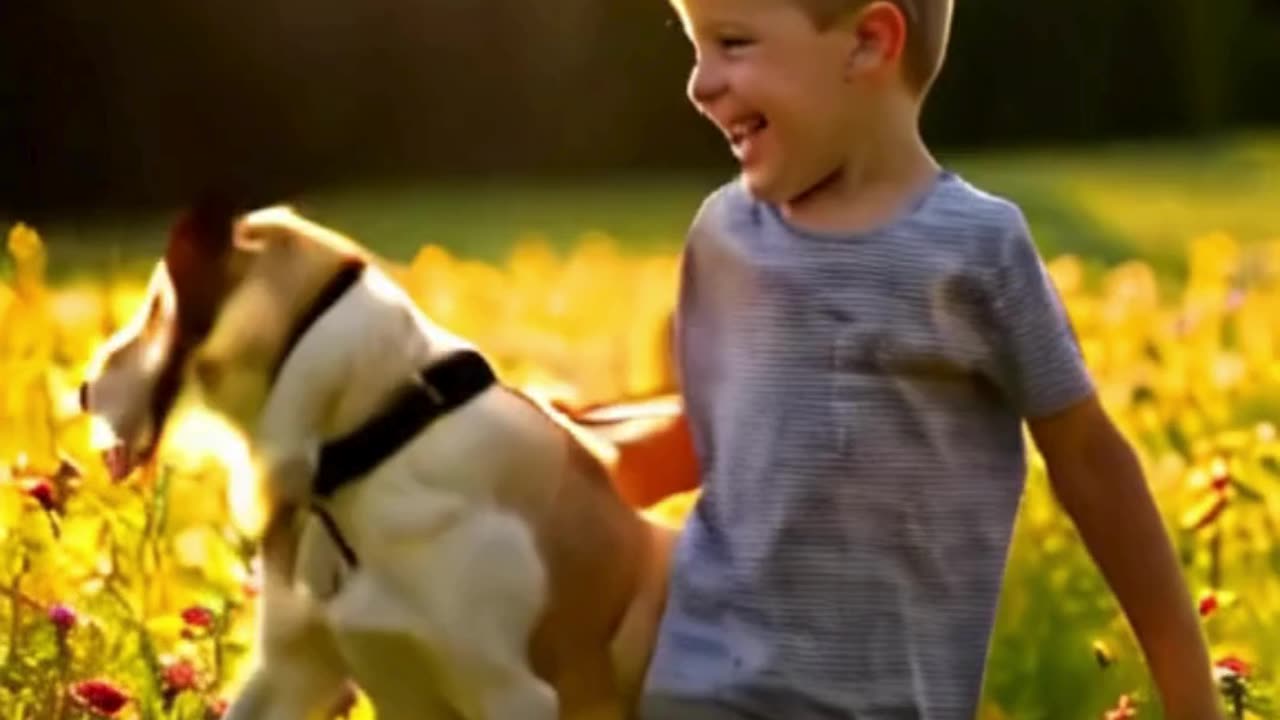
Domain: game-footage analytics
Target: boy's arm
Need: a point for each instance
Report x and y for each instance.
(1096, 477)
(1095, 474)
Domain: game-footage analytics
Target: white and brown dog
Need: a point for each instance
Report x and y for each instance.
(435, 537)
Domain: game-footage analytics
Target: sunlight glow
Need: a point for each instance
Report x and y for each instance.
(196, 437)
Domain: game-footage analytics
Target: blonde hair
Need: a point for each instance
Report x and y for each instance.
(928, 29)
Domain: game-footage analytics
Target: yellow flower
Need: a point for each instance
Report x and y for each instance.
(24, 243)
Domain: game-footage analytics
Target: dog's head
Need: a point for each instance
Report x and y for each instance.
(135, 378)
(218, 313)
(298, 269)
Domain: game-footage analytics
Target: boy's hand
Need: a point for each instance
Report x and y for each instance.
(656, 457)
(1098, 481)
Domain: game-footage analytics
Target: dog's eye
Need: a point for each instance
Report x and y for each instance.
(84, 397)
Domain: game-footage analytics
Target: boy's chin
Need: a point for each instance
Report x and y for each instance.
(768, 187)
(788, 185)
(763, 186)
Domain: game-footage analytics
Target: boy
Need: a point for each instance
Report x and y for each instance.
(861, 335)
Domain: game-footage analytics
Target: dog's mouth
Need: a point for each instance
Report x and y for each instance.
(119, 461)
(119, 456)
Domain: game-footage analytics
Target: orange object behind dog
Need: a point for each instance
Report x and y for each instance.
(655, 452)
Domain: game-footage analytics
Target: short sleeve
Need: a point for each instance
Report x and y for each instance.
(1040, 363)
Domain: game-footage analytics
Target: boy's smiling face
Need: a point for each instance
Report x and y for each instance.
(777, 87)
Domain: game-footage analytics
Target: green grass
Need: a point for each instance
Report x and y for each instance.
(1107, 203)
(1116, 202)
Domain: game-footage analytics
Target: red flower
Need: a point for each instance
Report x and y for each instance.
(1209, 604)
(198, 616)
(215, 709)
(1234, 666)
(100, 696)
(180, 676)
(63, 617)
(41, 491)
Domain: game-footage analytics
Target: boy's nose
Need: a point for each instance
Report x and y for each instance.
(706, 83)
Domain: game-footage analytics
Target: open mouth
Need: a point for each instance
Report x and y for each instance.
(743, 134)
(119, 456)
(116, 454)
(119, 461)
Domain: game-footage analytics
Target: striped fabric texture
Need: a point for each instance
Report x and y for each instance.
(856, 402)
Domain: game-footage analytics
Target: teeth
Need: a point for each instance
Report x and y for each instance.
(740, 130)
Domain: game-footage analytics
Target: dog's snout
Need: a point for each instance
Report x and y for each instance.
(84, 397)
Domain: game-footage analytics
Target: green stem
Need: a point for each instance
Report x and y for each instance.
(64, 672)
(15, 619)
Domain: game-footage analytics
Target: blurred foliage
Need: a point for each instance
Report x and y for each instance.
(343, 91)
(1096, 69)
(1106, 203)
(136, 599)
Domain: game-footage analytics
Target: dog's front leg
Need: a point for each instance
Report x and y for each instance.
(292, 686)
(301, 673)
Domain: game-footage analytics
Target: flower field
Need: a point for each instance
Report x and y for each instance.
(136, 599)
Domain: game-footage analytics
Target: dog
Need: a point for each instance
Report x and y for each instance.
(451, 546)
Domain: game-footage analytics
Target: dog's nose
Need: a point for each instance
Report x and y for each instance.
(84, 397)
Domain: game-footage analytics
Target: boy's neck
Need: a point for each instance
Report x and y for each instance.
(883, 172)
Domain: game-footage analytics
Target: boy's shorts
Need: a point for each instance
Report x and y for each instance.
(667, 707)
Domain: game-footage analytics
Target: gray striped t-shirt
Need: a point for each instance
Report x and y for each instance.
(856, 403)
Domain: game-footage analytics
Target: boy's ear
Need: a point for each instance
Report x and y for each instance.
(880, 37)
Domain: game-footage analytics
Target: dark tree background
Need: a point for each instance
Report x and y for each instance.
(139, 103)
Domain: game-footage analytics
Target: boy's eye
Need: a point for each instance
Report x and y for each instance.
(734, 42)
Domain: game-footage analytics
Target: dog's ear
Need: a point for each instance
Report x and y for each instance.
(201, 234)
(162, 303)
(198, 256)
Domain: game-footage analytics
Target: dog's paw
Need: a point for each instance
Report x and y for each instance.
(289, 615)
